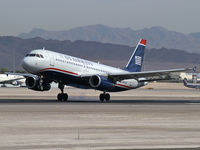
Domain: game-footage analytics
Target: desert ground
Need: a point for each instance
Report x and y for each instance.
(160, 115)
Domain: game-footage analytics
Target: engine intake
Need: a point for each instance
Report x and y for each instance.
(95, 81)
(101, 83)
(33, 83)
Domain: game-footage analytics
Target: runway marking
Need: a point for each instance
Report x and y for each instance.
(193, 103)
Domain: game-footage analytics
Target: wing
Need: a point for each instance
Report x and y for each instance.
(148, 75)
(25, 75)
(12, 80)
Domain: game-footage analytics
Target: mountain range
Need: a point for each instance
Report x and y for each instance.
(15, 48)
(157, 37)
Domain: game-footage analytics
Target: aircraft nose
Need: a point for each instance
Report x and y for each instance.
(26, 63)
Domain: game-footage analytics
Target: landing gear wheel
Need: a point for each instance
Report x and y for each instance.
(104, 96)
(107, 97)
(101, 97)
(65, 97)
(62, 97)
(59, 97)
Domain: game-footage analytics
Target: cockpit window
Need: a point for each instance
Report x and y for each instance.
(34, 55)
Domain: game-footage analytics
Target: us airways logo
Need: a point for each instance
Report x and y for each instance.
(138, 60)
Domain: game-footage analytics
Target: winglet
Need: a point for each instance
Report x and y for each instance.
(194, 68)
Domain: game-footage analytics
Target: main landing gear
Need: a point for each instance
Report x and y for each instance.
(104, 97)
(62, 97)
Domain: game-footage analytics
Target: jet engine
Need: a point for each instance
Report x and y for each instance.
(15, 83)
(33, 83)
(101, 83)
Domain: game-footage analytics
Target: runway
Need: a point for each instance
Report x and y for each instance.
(84, 123)
(86, 102)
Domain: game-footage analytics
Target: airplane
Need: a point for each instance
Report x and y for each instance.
(47, 66)
(16, 80)
(191, 85)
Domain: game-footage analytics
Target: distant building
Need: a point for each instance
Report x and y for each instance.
(190, 76)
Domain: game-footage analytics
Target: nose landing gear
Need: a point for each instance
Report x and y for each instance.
(104, 96)
(62, 97)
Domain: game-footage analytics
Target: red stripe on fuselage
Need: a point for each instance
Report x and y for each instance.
(58, 70)
(123, 86)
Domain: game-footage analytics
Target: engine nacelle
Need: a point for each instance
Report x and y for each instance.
(15, 83)
(101, 83)
(33, 83)
(133, 83)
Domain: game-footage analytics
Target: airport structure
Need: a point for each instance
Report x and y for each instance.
(194, 77)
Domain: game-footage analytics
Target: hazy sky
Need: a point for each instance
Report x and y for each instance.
(17, 16)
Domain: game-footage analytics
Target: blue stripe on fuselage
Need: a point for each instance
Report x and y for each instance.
(68, 79)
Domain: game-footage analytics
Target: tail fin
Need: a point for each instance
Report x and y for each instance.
(136, 60)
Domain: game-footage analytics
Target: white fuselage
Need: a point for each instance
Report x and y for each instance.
(43, 60)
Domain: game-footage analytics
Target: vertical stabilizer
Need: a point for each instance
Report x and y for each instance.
(135, 62)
